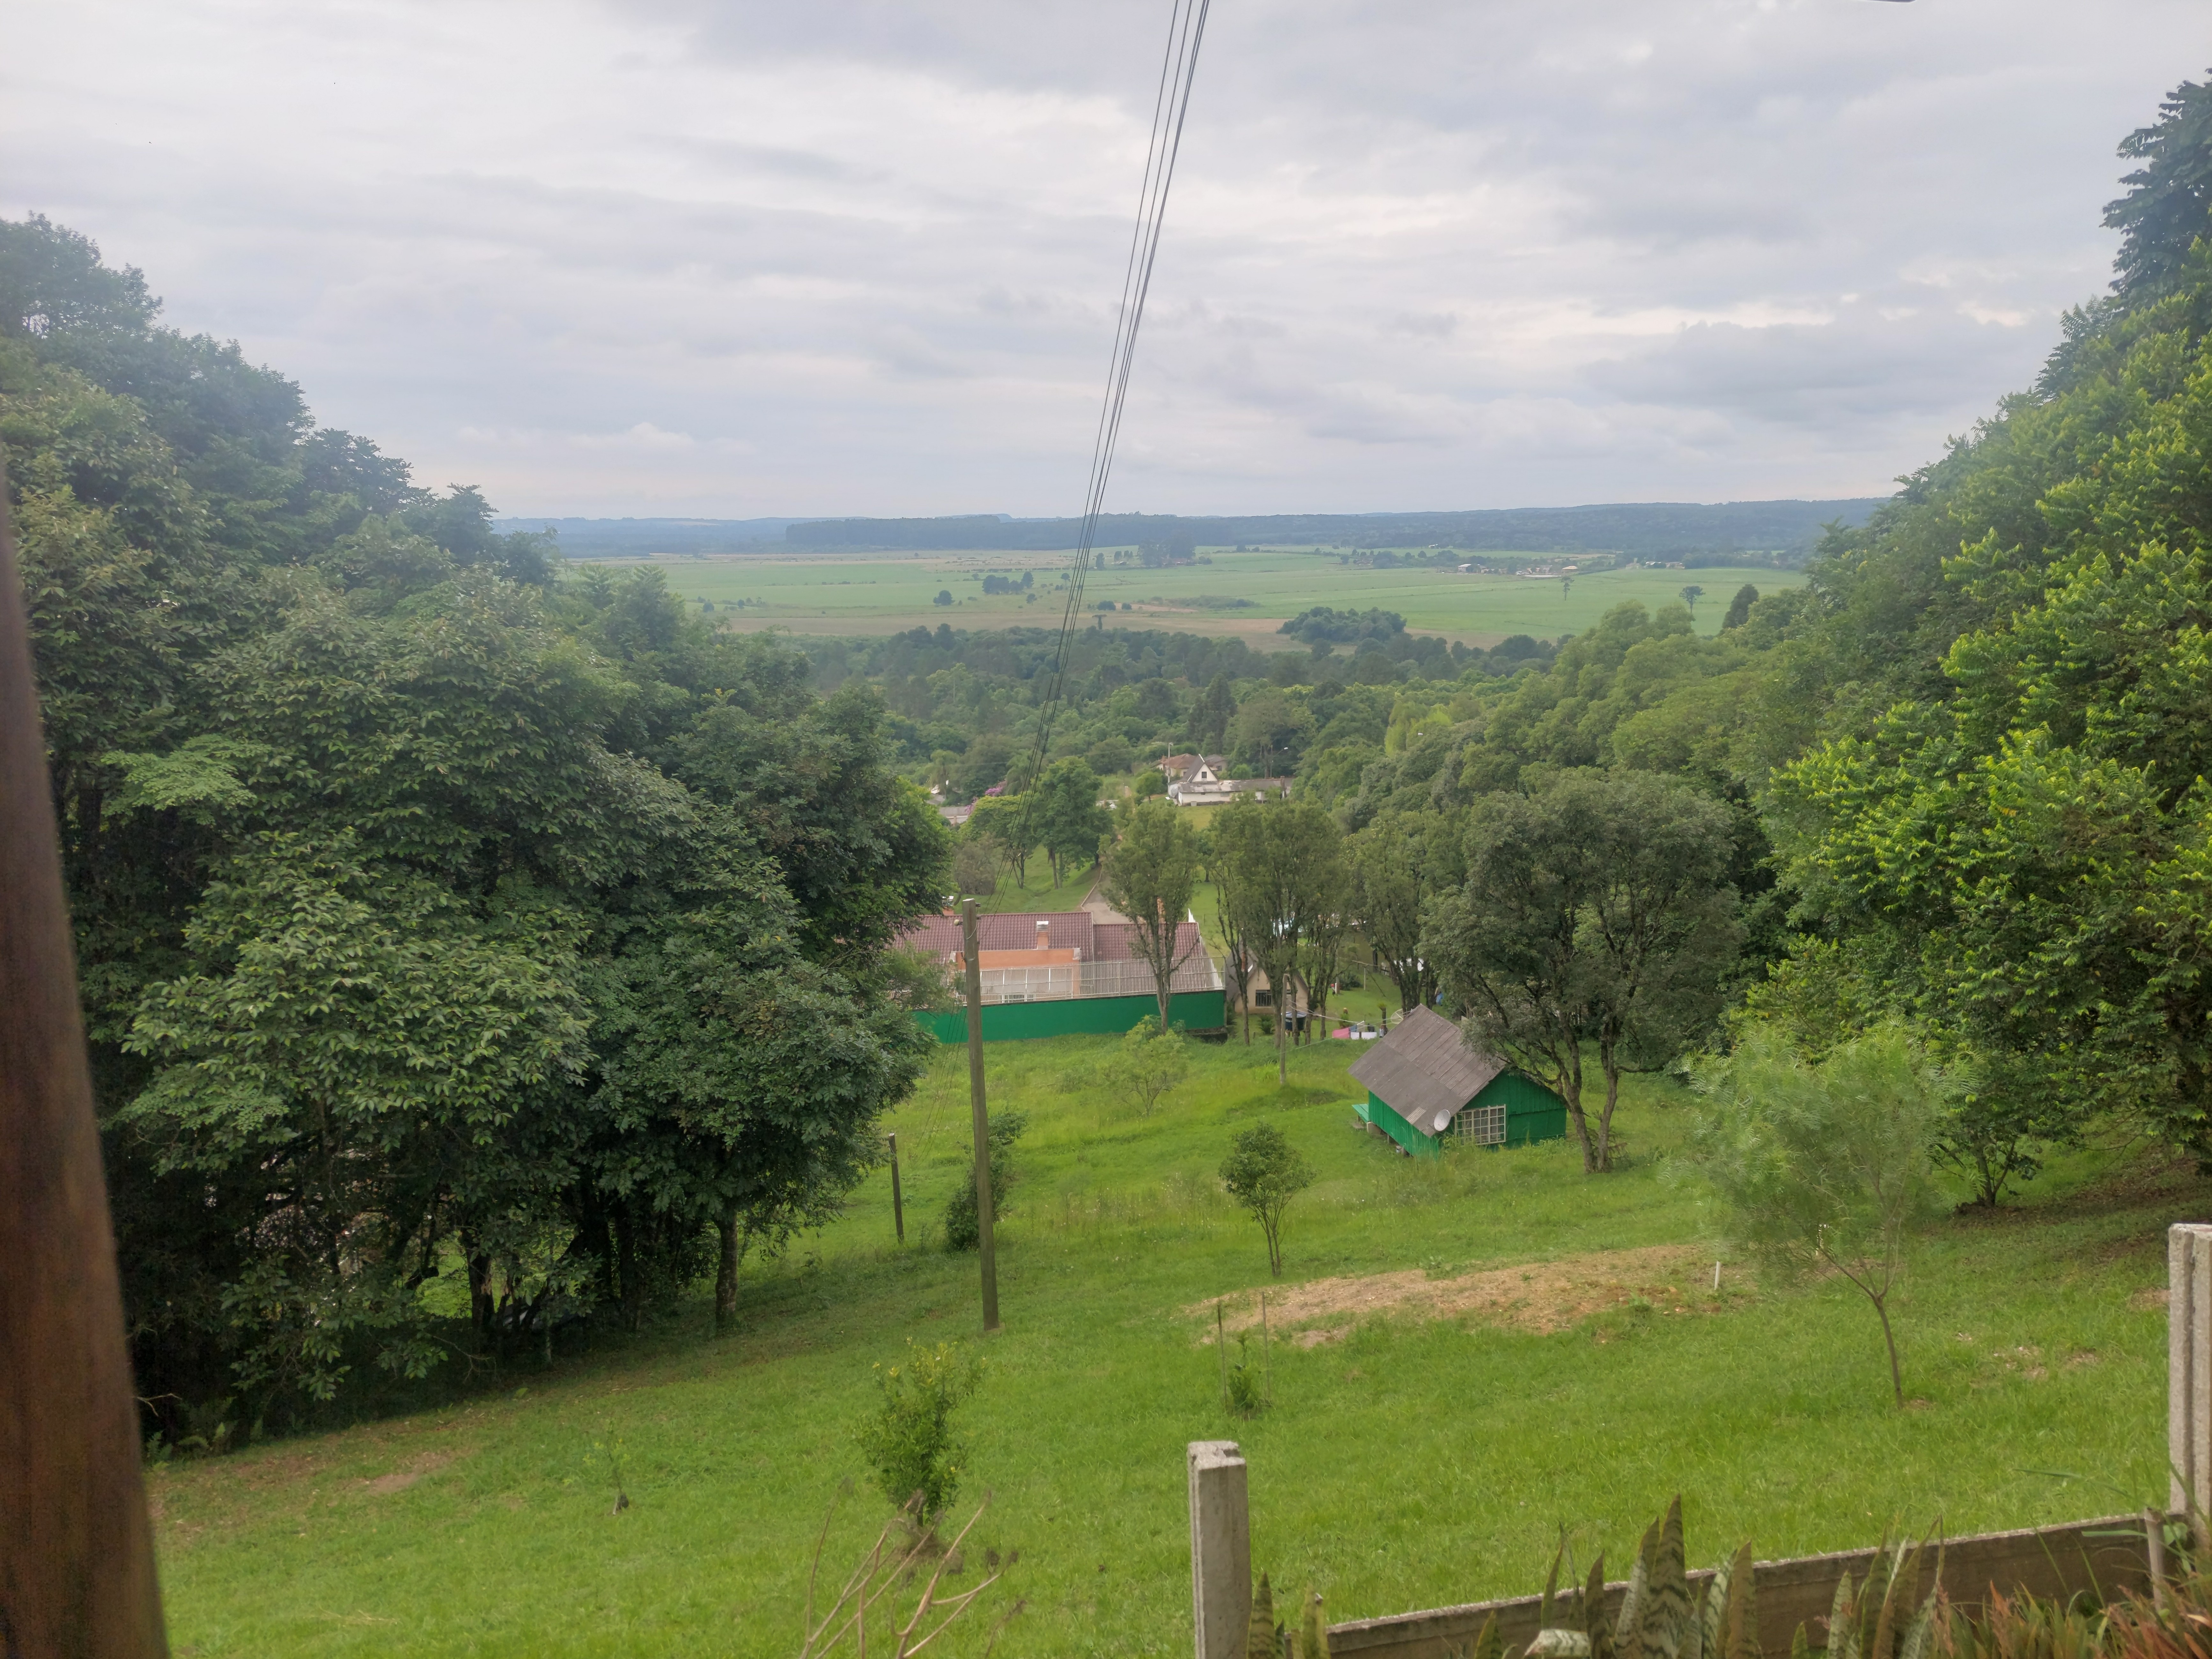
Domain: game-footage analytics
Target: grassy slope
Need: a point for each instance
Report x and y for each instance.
(879, 594)
(1407, 1467)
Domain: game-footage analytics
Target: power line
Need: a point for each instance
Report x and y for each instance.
(1178, 68)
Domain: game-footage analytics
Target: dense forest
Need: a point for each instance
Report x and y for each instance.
(473, 943)
(441, 922)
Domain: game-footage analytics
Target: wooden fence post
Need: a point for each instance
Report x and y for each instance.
(1220, 1549)
(2189, 1371)
(76, 1554)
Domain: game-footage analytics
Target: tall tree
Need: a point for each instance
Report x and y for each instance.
(1398, 864)
(1063, 813)
(1597, 913)
(1287, 884)
(1211, 715)
(1149, 873)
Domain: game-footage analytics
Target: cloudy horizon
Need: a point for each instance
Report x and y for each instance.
(674, 259)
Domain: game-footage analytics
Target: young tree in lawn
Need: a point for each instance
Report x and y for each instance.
(1150, 1061)
(1595, 914)
(1149, 873)
(1825, 1165)
(1264, 1172)
(1064, 816)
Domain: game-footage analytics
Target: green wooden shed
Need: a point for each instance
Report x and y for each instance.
(1425, 1084)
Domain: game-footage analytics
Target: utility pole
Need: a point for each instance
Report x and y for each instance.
(972, 954)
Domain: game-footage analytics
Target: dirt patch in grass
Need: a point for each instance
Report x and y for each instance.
(1535, 1295)
(400, 1479)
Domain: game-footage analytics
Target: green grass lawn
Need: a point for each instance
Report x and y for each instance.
(876, 593)
(1409, 1464)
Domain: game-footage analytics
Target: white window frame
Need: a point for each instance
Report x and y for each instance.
(1483, 1124)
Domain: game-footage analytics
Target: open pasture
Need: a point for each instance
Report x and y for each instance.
(874, 593)
(1431, 1430)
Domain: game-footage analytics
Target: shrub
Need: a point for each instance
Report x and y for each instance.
(1148, 1063)
(961, 1232)
(909, 1441)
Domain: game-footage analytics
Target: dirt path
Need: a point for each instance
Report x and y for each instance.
(1536, 1296)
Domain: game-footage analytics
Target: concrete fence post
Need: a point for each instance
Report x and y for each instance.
(2188, 1370)
(1220, 1549)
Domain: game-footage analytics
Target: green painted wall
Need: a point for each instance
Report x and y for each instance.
(1014, 1022)
(1532, 1113)
(1380, 1114)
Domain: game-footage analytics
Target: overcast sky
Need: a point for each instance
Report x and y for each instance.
(681, 257)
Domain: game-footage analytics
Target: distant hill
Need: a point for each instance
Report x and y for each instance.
(1647, 530)
(600, 538)
(1640, 529)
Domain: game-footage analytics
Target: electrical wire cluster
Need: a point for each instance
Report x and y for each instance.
(1178, 67)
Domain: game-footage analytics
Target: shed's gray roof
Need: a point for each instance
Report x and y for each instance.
(1425, 1071)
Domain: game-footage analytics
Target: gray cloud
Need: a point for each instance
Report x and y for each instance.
(862, 256)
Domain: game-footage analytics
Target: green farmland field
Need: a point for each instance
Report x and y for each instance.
(1410, 1462)
(875, 593)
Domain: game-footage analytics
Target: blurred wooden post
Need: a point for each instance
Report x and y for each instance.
(898, 1208)
(2189, 1371)
(76, 1554)
(973, 954)
(1220, 1549)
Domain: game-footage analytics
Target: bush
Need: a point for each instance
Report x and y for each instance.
(909, 1441)
(961, 1232)
(1147, 1064)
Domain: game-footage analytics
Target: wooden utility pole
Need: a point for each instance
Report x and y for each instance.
(76, 1553)
(898, 1209)
(972, 954)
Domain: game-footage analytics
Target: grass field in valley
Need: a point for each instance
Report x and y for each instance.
(876, 593)
(1408, 1462)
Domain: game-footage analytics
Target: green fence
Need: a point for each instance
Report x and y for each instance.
(1014, 1022)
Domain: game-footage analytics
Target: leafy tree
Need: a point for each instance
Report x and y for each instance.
(1739, 611)
(1825, 1165)
(1147, 1063)
(430, 905)
(985, 765)
(1398, 865)
(1063, 815)
(1268, 735)
(1287, 890)
(2169, 206)
(974, 867)
(1210, 716)
(1225, 856)
(1148, 876)
(1000, 824)
(1690, 596)
(1264, 1172)
(1597, 913)
(943, 597)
